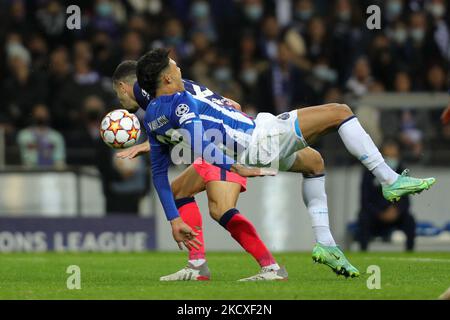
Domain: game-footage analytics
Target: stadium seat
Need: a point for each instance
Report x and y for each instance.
(446, 227)
(427, 229)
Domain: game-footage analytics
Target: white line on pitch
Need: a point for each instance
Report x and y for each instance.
(411, 259)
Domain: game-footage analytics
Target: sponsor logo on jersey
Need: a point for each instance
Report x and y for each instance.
(158, 123)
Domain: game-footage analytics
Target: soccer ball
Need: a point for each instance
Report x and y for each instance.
(120, 129)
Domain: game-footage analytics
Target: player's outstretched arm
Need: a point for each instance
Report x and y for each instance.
(134, 151)
(160, 161)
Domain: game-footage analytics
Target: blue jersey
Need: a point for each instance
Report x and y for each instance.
(215, 130)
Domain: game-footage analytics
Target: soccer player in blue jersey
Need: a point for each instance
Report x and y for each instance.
(223, 189)
(232, 141)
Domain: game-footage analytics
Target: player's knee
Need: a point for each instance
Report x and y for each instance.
(342, 111)
(177, 189)
(214, 210)
(315, 164)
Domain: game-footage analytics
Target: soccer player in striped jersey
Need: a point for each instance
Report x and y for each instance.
(230, 140)
(223, 189)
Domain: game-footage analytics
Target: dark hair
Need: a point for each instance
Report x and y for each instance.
(125, 71)
(149, 68)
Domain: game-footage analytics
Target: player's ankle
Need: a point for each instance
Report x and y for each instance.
(197, 262)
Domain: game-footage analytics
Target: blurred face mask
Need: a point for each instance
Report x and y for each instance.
(394, 8)
(437, 10)
(303, 14)
(400, 35)
(200, 9)
(249, 76)
(222, 74)
(324, 73)
(104, 9)
(418, 34)
(344, 15)
(254, 11)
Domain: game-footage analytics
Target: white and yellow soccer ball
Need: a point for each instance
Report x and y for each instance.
(120, 129)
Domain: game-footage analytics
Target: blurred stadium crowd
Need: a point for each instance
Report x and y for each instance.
(268, 55)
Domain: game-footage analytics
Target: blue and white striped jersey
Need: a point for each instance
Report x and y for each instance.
(212, 124)
(216, 112)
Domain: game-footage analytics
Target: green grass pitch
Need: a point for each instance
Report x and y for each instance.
(135, 276)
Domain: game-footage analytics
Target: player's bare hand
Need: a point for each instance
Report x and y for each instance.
(134, 151)
(183, 234)
(234, 104)
(252, 171)
(445, 118)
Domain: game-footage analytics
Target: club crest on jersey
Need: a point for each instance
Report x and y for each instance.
(181, 109)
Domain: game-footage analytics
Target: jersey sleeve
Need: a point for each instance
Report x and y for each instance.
(160, 162)
(185, 115)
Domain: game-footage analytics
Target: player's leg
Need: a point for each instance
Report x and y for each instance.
(184, 188)
(319, 120)
(222, 199)
(310, 163)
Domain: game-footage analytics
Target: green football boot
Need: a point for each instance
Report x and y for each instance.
(405, 185)
(335, 259)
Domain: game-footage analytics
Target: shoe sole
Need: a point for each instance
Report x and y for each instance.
(338, 270)
(397, 198)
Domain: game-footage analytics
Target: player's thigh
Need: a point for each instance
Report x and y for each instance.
(318, 120)
(222, 196)
(187, 184)
(308, 161)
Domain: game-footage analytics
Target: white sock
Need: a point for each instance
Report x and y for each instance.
(359, 144)
(315, 199)
(274, 267)
(197, 262)
(385, 174)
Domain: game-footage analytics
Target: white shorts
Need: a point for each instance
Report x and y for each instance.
(274, 141)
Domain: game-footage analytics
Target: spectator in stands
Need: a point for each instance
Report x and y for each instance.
(317, 40)
(201, 20)
(40, 145)
(361, 80)
(422, 48)
(45, 62)
(440, 28)
(124, 182)
(51, 20)
(269, 39)
(393, 10)
(132, 46)
(281, 85)
(60, 73)
(303, 11)
(24, 88)
(436, 81)
(379, 217)
(85, 82)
